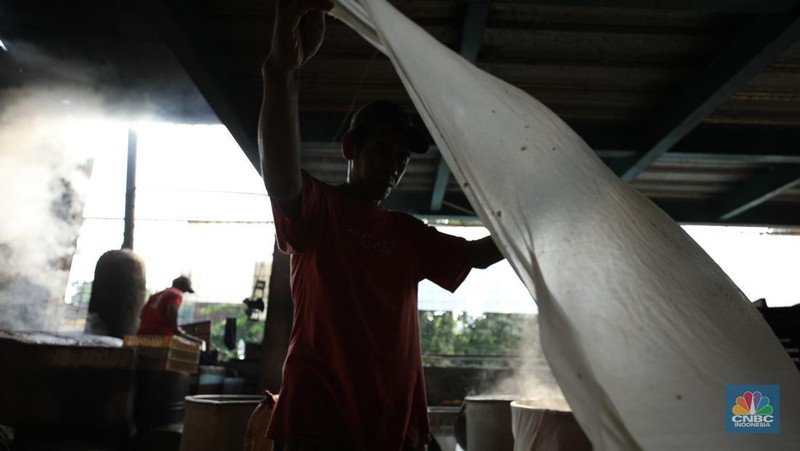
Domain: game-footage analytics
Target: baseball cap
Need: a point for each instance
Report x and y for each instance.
(384, 114)
(183, 283)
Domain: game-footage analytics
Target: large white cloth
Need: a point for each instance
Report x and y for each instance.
(640, 326)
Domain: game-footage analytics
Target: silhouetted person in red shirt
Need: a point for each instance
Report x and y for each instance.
(353, 376)
(160, 313)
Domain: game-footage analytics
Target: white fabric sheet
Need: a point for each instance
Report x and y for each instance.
(641, 328)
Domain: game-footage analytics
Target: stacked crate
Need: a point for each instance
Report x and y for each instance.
(164, 353)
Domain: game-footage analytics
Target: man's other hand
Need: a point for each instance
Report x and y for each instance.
(299, 32)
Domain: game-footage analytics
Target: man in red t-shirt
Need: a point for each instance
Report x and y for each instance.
(352, 379)
(160, 314)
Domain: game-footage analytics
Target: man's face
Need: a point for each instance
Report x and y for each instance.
(379, 163)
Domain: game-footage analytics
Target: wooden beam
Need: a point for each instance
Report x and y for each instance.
(757, 191)
(761, 42)
(471, 42)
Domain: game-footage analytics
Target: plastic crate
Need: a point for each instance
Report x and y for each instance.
(164, 352)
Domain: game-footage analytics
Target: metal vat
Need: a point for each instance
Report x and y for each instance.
(216, 422)
(489, 423)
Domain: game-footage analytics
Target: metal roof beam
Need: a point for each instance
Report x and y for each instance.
(440, 184)
(472, 33)
(709, 157)
(471, 42)
(721, 6)
(205, 63)
(418, 203)
(756, 144)
(681, 211)
(763, 40)
(334, 148)
(769, 215)
(757, 191)
(739, 139)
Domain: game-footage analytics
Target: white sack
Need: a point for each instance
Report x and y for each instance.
(641, 328)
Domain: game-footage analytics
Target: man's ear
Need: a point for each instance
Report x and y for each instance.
(348, 147)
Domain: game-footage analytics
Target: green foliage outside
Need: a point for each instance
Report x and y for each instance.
(488, 338)
(447, 338)
(249, 331)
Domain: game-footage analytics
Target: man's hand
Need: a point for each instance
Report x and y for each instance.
(299, 30)
(483, 253)
(298, 34)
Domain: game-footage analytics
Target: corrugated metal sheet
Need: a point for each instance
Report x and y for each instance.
(608, 68)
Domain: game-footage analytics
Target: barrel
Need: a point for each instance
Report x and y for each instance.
(118, 294)
(217, 422)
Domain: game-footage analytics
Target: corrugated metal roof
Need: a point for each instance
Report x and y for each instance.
(695, 102)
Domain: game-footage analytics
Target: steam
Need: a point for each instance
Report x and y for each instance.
(45, 161)
(532, 380)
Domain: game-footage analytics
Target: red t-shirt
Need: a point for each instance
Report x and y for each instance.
(353, 373)
(154, 319)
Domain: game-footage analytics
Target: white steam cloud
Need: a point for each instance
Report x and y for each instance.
(533, 380)
(45, 160)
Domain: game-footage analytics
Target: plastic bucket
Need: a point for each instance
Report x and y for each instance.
(217, 422)
(546, 425)
(489, 423)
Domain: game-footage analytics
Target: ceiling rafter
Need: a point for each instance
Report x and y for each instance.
(204, 61)
(471, 41)
(711, 156)
(757, 191)
(761, 42)
(723, 6)
(717, 153)
(764, 144)
(681, 211)
(773, 214)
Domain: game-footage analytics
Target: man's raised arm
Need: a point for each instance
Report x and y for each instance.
(298, 34)
(483, 253)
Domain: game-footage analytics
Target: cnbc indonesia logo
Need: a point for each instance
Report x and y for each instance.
(752, 411)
